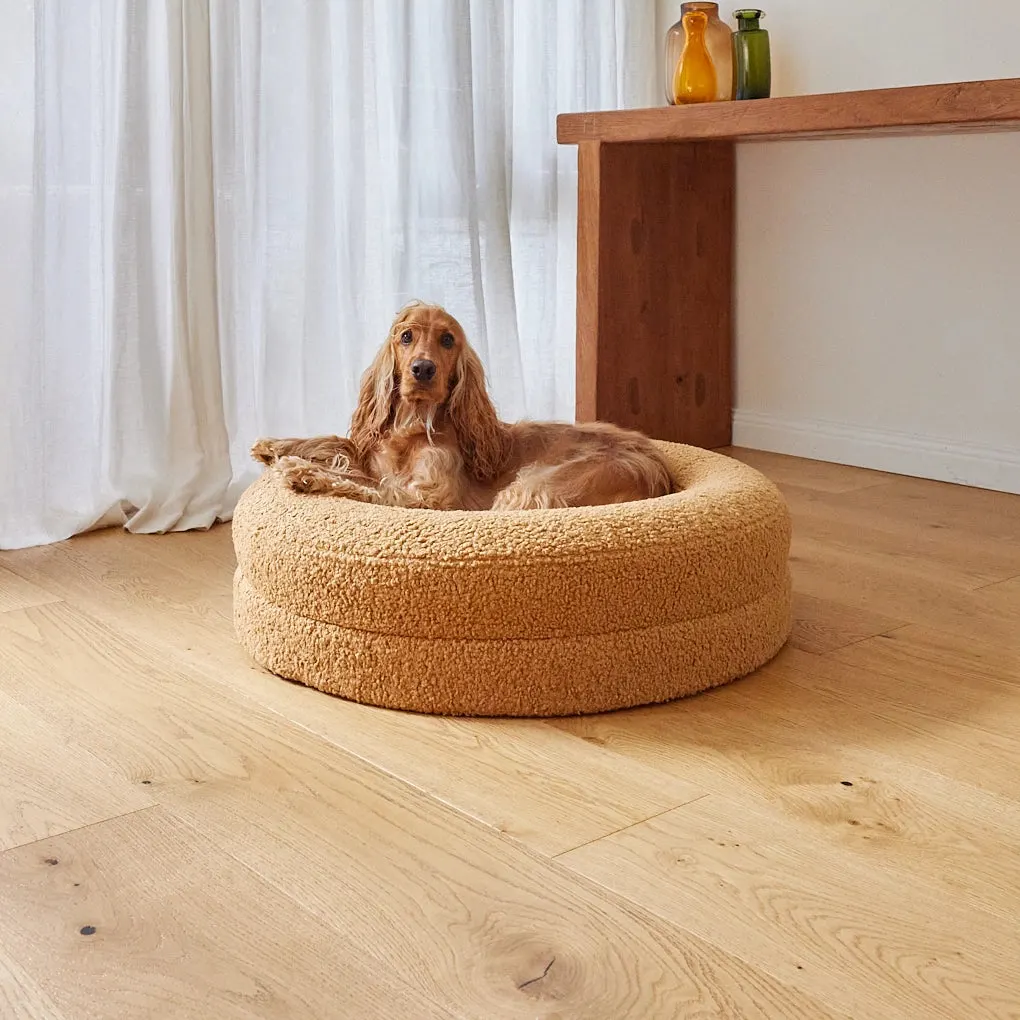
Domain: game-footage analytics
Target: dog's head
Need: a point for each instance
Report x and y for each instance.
(427, 372)
(427, 344)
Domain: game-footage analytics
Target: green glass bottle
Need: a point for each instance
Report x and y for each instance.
(752, 60)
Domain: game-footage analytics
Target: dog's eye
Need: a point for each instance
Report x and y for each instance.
(446, 340)
(406, 337)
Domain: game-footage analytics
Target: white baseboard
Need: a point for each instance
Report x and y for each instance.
(903, 453)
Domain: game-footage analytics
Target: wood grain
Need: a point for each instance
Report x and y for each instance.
(542, 786)
(734, 876)
(811, 475)
(936, 675)
(17, 593)
(982, 514)
(539, 785)
(464, 917)
(938, 663)
(967, 734)
(655, 238)
(902, 792)
(934, 549)
(470, 920)
(135, 705)
(655, 258)
(49, 787)
(943, 108)
(589, 233)
(21, 998)
(875, 582)
(822, 625)
(1007, 591)
(142, 916)
(300, 842)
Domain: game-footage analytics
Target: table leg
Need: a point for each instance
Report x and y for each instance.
(654, 288)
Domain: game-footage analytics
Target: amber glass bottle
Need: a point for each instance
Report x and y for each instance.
(718, 42)
(694, 80)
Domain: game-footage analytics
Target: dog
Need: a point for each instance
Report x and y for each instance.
(426, 435)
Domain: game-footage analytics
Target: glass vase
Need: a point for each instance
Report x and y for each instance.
(718, 42)
(694, 80)
(752, 59)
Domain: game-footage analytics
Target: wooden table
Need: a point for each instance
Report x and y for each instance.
(655, 219)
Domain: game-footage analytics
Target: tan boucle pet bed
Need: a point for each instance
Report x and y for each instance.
(522, 613)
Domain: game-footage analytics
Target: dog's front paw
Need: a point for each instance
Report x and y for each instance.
(300, 475)
(266, 451)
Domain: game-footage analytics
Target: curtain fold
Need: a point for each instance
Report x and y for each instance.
(212, 209)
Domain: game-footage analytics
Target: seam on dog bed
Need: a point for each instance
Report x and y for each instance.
(779, 590)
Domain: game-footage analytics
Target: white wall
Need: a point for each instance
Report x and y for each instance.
(878, 280)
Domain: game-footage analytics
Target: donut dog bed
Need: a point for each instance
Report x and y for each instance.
(518, 613)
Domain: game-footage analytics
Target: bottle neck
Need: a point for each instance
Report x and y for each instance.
(749, 20)
(696, 31)
(711, 9)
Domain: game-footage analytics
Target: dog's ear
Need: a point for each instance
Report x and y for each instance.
(375, 401)
(483, 439)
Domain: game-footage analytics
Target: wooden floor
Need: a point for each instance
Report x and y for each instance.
(183, 835)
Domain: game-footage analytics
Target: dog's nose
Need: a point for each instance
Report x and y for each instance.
(423, 370)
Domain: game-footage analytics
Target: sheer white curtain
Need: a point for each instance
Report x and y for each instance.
(211, 209)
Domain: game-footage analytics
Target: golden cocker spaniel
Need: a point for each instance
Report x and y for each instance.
(425, 434)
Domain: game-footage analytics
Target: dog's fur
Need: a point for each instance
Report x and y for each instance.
(438, 444)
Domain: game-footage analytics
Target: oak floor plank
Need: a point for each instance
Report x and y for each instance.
(142, 714)
(978, 514)
(806, 914)
(965, 722)
(469, 919)
(871, 769)
(525, 778)
(932, 552)
(822, 625)
(475, 921)
(143, 916)
(18, 593)
(21, 998)
(870, 582)
(930, 666)
(48, 786)
(809, 474)
(886, 789)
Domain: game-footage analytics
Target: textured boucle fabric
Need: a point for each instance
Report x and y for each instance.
(524, 613)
